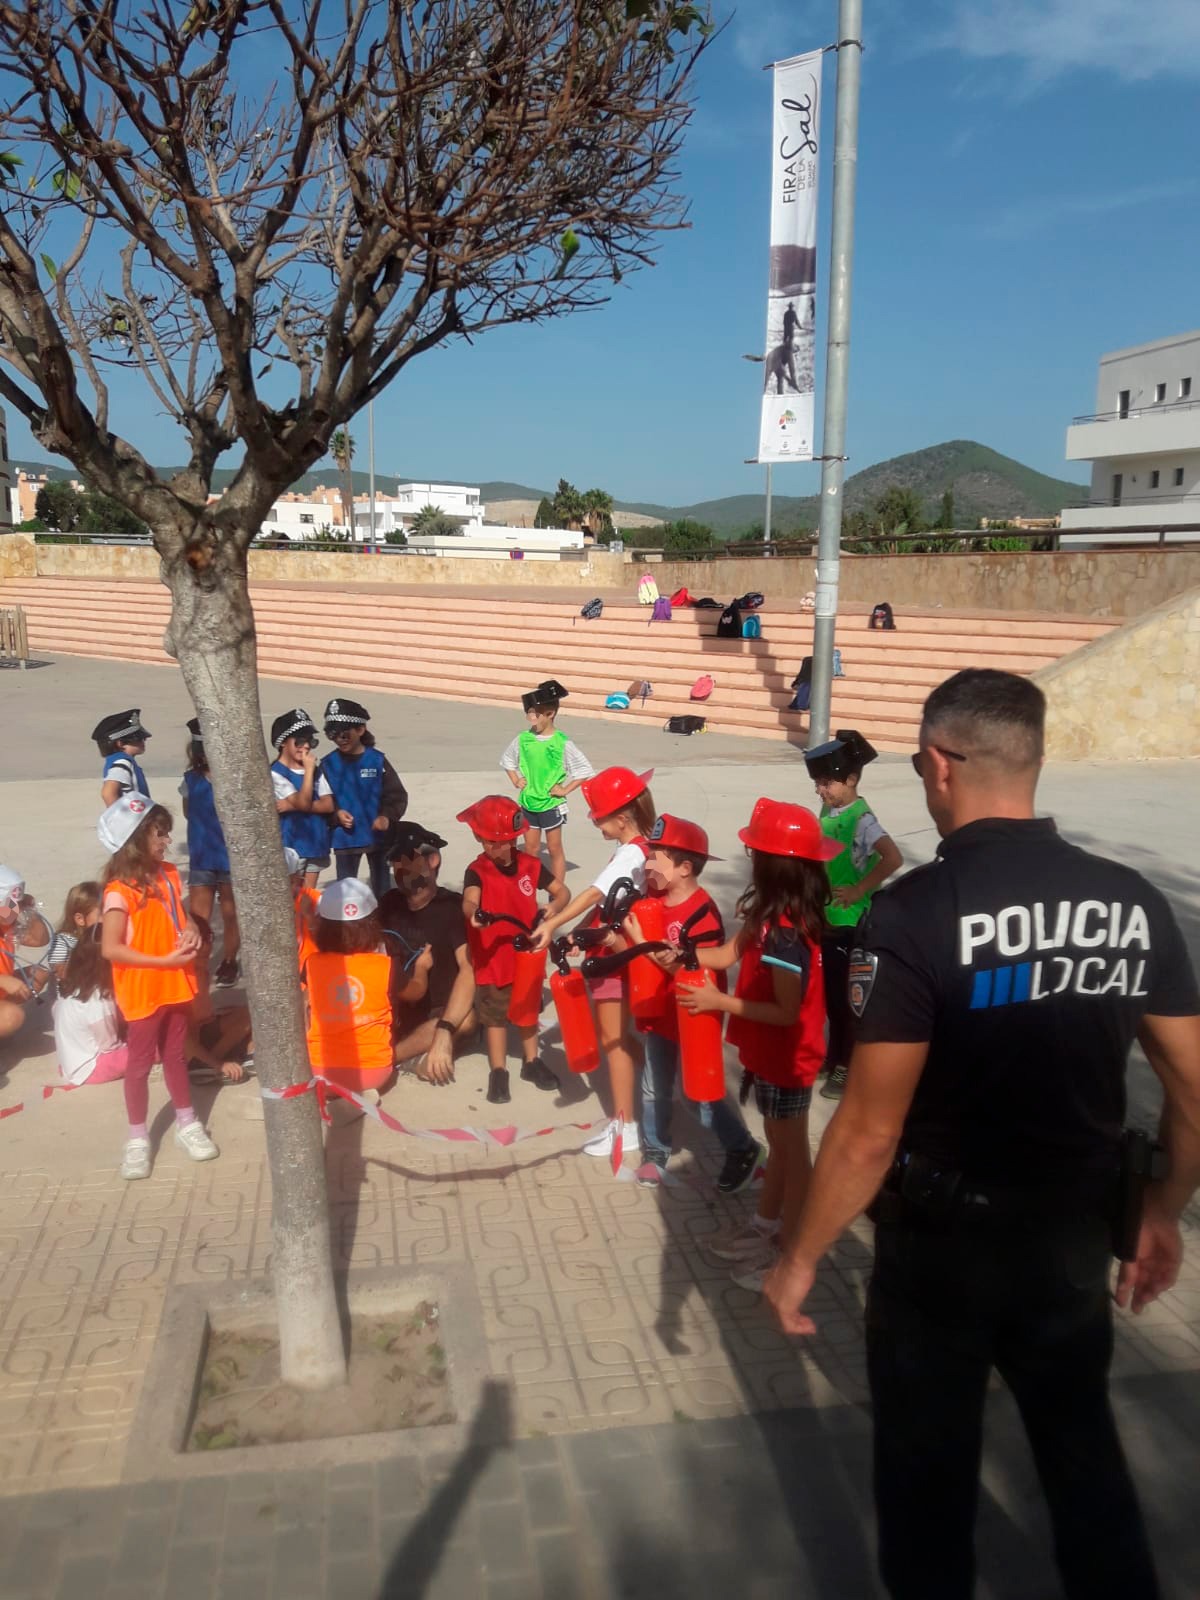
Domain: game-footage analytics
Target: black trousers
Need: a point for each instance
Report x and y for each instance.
(836, 944)
(947, 1303)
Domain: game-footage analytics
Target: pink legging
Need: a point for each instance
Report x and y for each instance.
(160, 1036)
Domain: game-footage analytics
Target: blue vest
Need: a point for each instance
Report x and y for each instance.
(357, 784)
(207, 851)
(127, 762)
(307, 832)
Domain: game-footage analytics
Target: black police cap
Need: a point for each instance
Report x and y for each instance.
(410, 838)
(346, 713)
(548, 693)
(290, 723)
(120, 725)
(845, 753)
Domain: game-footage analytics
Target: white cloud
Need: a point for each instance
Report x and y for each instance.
(766, 31)
(1133, 39)
(1043, 213)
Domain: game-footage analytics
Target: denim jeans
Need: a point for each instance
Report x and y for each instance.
(658, 1091)
(950, 1301)
(346, 866)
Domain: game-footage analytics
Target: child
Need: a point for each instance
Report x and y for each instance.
(678, 855)
(15, 904)
(621, 806)
(506, 880)
(777, 1014)
(545, 766)
(151, 942)
(81, 911)
(218, 1042)
(349, 1013)
(121, 739)
(866, 858)
(367, 794)
(303, 797)
(87, 1024)
(304, 903)
(208, 856)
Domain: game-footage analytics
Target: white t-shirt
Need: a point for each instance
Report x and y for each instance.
(83, 1030)
(284, 790)
(628, 861)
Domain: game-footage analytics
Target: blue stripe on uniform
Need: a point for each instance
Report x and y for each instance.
(981, 993)
(1002, 986)
(1022, 982)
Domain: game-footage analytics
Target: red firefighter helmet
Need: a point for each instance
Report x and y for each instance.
(613, 790)
(676, 833)
(780, 828)
(495, 818)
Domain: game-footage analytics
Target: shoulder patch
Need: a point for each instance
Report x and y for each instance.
(861, 979)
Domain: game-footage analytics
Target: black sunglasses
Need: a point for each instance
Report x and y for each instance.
(951, 755)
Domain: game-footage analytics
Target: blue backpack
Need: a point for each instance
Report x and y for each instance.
(837, 664)
(752, 628)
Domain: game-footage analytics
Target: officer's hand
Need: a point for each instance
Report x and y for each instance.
(439, 1063)
(846, 894)
(1159, 1254)
(785, 1291)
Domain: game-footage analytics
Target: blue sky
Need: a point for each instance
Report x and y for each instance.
(1028, 198)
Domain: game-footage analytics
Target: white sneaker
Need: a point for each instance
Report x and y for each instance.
(741, 1244)
(194, 1141)
(602, 1144)
(135, 1163)
(752, 1273)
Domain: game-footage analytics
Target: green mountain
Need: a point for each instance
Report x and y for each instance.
(985, 484)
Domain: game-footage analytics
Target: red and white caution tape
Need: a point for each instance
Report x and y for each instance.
(47, 1090)
(502, 1138)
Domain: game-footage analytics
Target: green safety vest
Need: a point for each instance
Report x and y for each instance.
(541, 762)
(841, 868)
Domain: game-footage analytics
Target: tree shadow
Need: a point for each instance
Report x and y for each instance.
(414, 1562)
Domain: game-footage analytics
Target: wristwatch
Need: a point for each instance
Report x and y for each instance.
(441, 1025)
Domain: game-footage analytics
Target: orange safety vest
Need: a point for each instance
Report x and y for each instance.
(156, 919)
(306, 907)
(350, 1015)
(8, 958)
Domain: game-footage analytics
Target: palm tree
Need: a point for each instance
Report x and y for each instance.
(341, 448)
(432, 521)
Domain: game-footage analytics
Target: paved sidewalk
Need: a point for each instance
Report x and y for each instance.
(649, 1432)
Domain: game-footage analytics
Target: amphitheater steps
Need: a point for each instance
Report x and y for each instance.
(480, 649)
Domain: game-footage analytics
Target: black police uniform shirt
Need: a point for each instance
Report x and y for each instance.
(1027, 964)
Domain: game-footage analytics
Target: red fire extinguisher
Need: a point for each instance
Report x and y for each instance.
(701, 1057)
(569, 993)
(649, 985)
(525, 1002)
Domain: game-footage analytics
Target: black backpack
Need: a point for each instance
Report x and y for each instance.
(802, 684)
(686, 725)
(730, 624)
(881, 617)
(707, 604)
(751, 601)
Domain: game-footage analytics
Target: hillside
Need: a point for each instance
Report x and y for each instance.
(985, 484)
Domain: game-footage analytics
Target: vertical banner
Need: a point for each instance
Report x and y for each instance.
(786, 431)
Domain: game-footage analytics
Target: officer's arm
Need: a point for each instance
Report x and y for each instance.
(853, 1161)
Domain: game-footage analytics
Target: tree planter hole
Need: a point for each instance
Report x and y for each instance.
(397, 1379)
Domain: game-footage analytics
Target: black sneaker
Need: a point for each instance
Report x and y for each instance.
(497, 1091)
(650, 1173)
(835, 1084)
(740, 1166)
(227, 973)
(537, 1072)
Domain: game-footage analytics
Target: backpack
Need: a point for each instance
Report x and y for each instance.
(752, 628)
(707, 604)
(647, 590)
(837, 664)
(730, 624)
(682, 598)
(881, 617)
(616, 702)
(703, 687)
(640, 689)
(592, 609)
(805, 673)
(686, 725)
(751, 601)
(662, 610)
(802, 698)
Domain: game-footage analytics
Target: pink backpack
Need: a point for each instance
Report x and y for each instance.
(703, 687)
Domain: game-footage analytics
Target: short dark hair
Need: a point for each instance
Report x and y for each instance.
(991, 716)
(680, 856)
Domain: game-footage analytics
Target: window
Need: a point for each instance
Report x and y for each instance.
(1185, 388)
(272, 515)
(307, 517)
(1123, 403)
(1179, 477)
(1154, 480)
(1160, 393)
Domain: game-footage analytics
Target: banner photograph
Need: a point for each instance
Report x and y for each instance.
(786, 432)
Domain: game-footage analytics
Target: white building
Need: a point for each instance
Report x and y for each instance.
(458, 501)
(493, 541)
(1143, 441)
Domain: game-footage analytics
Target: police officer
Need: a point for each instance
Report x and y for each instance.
(998, 992)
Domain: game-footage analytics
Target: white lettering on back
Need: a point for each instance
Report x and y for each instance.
(973, 931)
(1080, 934)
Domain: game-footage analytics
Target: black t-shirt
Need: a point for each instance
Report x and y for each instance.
(1027, 964)
(440, 925)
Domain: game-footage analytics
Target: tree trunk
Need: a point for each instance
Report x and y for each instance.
(212, 635)
(347, 495)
